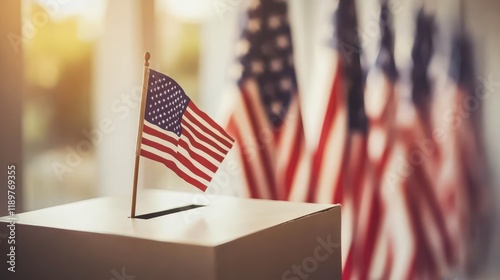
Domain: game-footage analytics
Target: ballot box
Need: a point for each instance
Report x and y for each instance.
(175, 236)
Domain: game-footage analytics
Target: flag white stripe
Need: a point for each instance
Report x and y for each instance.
(398, 215)
(346, 224)
(433, 237)
(380, 256)
(176, 162)
(299, 188)
(208, 126)
(200, 152)
(287, 137)
(260, 116)
(257, 170)
(332, 158)
(186, 140)
(286, 147)
(188, 120)
(201, 142)
(177, 149)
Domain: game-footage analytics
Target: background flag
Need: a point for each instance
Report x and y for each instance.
(432, 246)
(461, 186)
(329, 158)
(339, 164)
(371, 253)
(356, 166)
(470, 158)
(267, 121)
(179, 135)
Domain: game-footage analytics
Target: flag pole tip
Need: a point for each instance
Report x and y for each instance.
(147, 56)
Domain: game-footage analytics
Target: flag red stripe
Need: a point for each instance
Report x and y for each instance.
(338, 194)
(294, 159)
(232, 127)
(441, 224)
(202, 137)
(373, 231)
(182, 143)
(386, 274)
(209, 120)
(178, 156)
(357, 172)
(194, 120)
(195, 144)
(348, 266)
(376, 209)
(325, 131)
(376, 212)
(264, 156)
(198, 157)
(428, 195)
(423, 259)
(151, 131)
(174, 168)
(202, 147)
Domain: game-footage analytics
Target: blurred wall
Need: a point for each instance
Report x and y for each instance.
(128, 33)
(11, 86)
(484, 23)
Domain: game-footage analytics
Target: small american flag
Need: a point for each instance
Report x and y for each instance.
(179, 135)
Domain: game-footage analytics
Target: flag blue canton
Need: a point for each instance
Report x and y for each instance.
(266, 55)
(166, 102)
(422, 51)
(349, 48)
(385, 58)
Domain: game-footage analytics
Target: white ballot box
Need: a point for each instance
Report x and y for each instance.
(227, 238)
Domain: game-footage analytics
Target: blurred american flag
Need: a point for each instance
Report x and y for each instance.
(267, 121)
(409, 198)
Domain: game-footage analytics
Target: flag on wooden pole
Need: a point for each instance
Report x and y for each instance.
(179, 135)
(173, 131)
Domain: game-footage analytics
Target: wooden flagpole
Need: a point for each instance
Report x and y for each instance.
(145, 81)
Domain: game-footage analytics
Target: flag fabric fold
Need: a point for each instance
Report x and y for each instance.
(179, 135)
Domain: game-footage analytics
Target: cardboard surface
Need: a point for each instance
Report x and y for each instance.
(230, 238)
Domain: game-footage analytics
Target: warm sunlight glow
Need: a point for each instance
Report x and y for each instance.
(188, 10)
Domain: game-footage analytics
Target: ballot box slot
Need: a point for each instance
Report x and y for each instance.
(167, 212)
